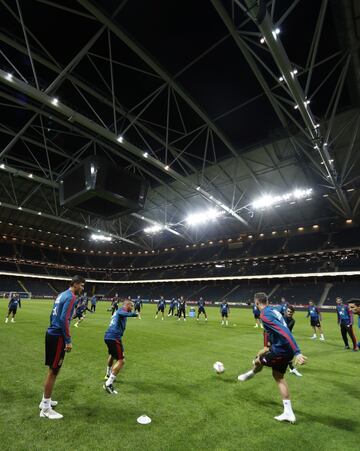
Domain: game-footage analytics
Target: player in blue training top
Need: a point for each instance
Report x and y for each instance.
(113, 337)
(201, 308)
(161, 307)
(93, 303)
(283, 306)
(58, 341)
(182, 308)
(315, 318)
(13, 305)
(80, 311)
(256, 313)
(224, 312)
(289, 319)
(172, 305)
(282, 350)
(138, 306)
(345, 320)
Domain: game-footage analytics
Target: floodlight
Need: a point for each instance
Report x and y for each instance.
(269, 200)
(154, 229)
(96, 237)
(203, 217)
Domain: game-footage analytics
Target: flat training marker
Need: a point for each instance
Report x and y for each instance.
(144, 419)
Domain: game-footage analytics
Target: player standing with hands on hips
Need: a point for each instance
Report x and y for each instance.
(57, 342)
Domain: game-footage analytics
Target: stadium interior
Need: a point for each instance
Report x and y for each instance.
(204, 149)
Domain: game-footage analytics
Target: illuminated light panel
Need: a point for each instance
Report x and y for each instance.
(203, 217)
(96, 237)
(154, 229)
(269, 200)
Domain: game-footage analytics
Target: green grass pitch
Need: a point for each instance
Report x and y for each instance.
(168, 376)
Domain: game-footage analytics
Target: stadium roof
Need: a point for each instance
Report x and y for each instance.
(218, 103)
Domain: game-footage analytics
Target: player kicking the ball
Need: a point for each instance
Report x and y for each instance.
(113, 342)
(57, 342)
(282, 349)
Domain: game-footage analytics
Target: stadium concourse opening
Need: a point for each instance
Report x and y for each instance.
(179, 184)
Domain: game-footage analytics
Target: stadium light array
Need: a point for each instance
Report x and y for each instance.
(154, 229)
(203, 217)
(268, 200)
(96, 237)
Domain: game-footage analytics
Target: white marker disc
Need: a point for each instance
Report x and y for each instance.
(144, 419)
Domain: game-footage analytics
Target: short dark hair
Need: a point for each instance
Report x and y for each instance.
(77, 279)
(261, 297)
(354, 301)
(291, 308)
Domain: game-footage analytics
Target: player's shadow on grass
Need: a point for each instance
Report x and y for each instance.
(328, 420)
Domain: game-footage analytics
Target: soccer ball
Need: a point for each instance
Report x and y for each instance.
(219, 367)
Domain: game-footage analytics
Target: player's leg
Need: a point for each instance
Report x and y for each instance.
(116, 350)
(7, 316)
(322, 338)
(198, 315)
(314, 334)
(54, 356)
(162, 314)
(227, 321)
(294, 370)
(222, 319)
(206, 318)
(256, 322)
(258, 366)
(13, 315)
(353, 337)
(156, 314)
(110, 362)
(139, 315)
(288, 414)
(344, 333)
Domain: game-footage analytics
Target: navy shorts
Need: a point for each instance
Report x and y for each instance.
(161, 309)
(54, 350)
(224, 314)
(13, 311)
(115, 348)
(276, 362)
(315, 323)
(201, 310)
(257, 316)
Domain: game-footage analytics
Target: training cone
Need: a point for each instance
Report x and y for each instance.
(144, 419)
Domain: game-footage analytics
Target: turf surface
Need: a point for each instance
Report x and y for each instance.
(168, 376)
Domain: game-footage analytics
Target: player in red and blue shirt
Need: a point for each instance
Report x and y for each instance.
(345, 320)
(113, 340)
(58, 341)
(13, 305)
(315, 320)
(283, 348)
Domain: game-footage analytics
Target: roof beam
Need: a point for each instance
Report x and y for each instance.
(74, 117)
(258, 12)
